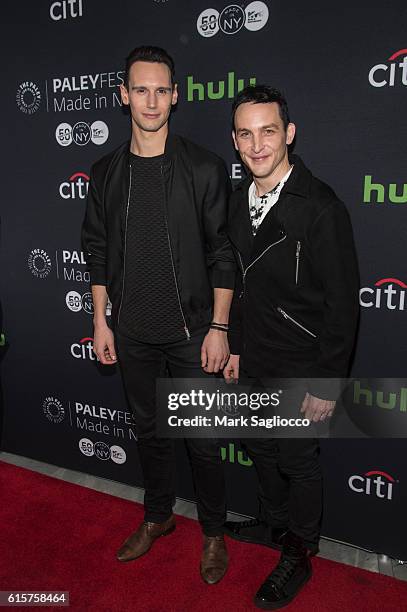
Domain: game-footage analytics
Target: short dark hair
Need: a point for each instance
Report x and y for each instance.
(149, 54)
(261, 94)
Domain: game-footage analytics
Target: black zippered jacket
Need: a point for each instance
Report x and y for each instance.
(295, 307)
(197, 188)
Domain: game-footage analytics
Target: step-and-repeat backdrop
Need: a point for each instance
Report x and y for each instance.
(343, 68)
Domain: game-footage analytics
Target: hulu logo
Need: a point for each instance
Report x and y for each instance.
(222, 89)
(377, 191)
(388, 400)
(229, 454)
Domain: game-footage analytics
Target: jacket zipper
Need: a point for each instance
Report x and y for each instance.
(255, 261)
(187, 332)
(125, 249)
(287, 316)
(297, 256)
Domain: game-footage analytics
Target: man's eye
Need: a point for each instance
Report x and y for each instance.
(244, 134)
(162, 91)
(269, 131)
(141, 91)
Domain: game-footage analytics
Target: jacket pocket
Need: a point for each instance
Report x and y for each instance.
(295, 322)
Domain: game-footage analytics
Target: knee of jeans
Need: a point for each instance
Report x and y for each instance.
(302, 470)
(204, 449)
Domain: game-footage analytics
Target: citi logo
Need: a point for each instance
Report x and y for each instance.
(377, 191)
(377, 483)
(369, 397)
(83, 349)
(386, 293)
(382, 75)
(65, 9)
(76, 187)
(227, 88)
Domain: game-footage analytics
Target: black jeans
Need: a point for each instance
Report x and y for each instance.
(290, 484)
(290, 476)
(141, 364)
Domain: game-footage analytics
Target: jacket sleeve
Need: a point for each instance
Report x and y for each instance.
(94, 234)
(336, 268)
(235, 321)
(219, 255)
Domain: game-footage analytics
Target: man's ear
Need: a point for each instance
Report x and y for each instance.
(174, 94)
(124, 94)
(290, 133)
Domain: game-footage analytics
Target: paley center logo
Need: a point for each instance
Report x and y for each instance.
(392, 73)
(376, 483)
(386, 293)
(82, 133)
(102, 451)
(39, 263)
(53, 409)
(28, 97)
(76, 187)
(69, 265)
(232, 19)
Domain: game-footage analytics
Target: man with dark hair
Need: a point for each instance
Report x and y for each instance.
(294, 314)
(156, 244)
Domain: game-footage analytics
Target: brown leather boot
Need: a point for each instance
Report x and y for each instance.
(140, 542)
(214, 562)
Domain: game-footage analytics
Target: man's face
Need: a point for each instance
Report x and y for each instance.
(260, 137)
(149, 94)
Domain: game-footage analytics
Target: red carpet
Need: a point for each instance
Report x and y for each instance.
(60, 536)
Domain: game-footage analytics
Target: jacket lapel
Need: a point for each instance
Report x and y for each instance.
(239, 227)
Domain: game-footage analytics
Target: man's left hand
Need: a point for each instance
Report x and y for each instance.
(317, 409)
(214, 351)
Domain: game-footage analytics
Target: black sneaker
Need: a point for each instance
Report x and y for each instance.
(255, 531)
(288, 577)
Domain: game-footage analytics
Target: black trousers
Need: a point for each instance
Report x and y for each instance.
(141, 364)
(290, 484)
(290, 480)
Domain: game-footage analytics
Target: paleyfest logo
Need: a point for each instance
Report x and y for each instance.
(386, 293)
(232, 19)
(82, 133)
(28, 97)
(388, 75)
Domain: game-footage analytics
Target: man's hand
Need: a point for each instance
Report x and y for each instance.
(231, 369)
(103, 345)
(316, 409)
(214, 351)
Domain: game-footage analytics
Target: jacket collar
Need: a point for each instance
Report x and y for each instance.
(271, 229)
(298, 182)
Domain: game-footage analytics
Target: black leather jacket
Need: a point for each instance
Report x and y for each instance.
(295, 307)
(197, 189)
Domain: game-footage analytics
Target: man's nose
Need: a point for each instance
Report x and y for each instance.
(151, 100)
(257, 143)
